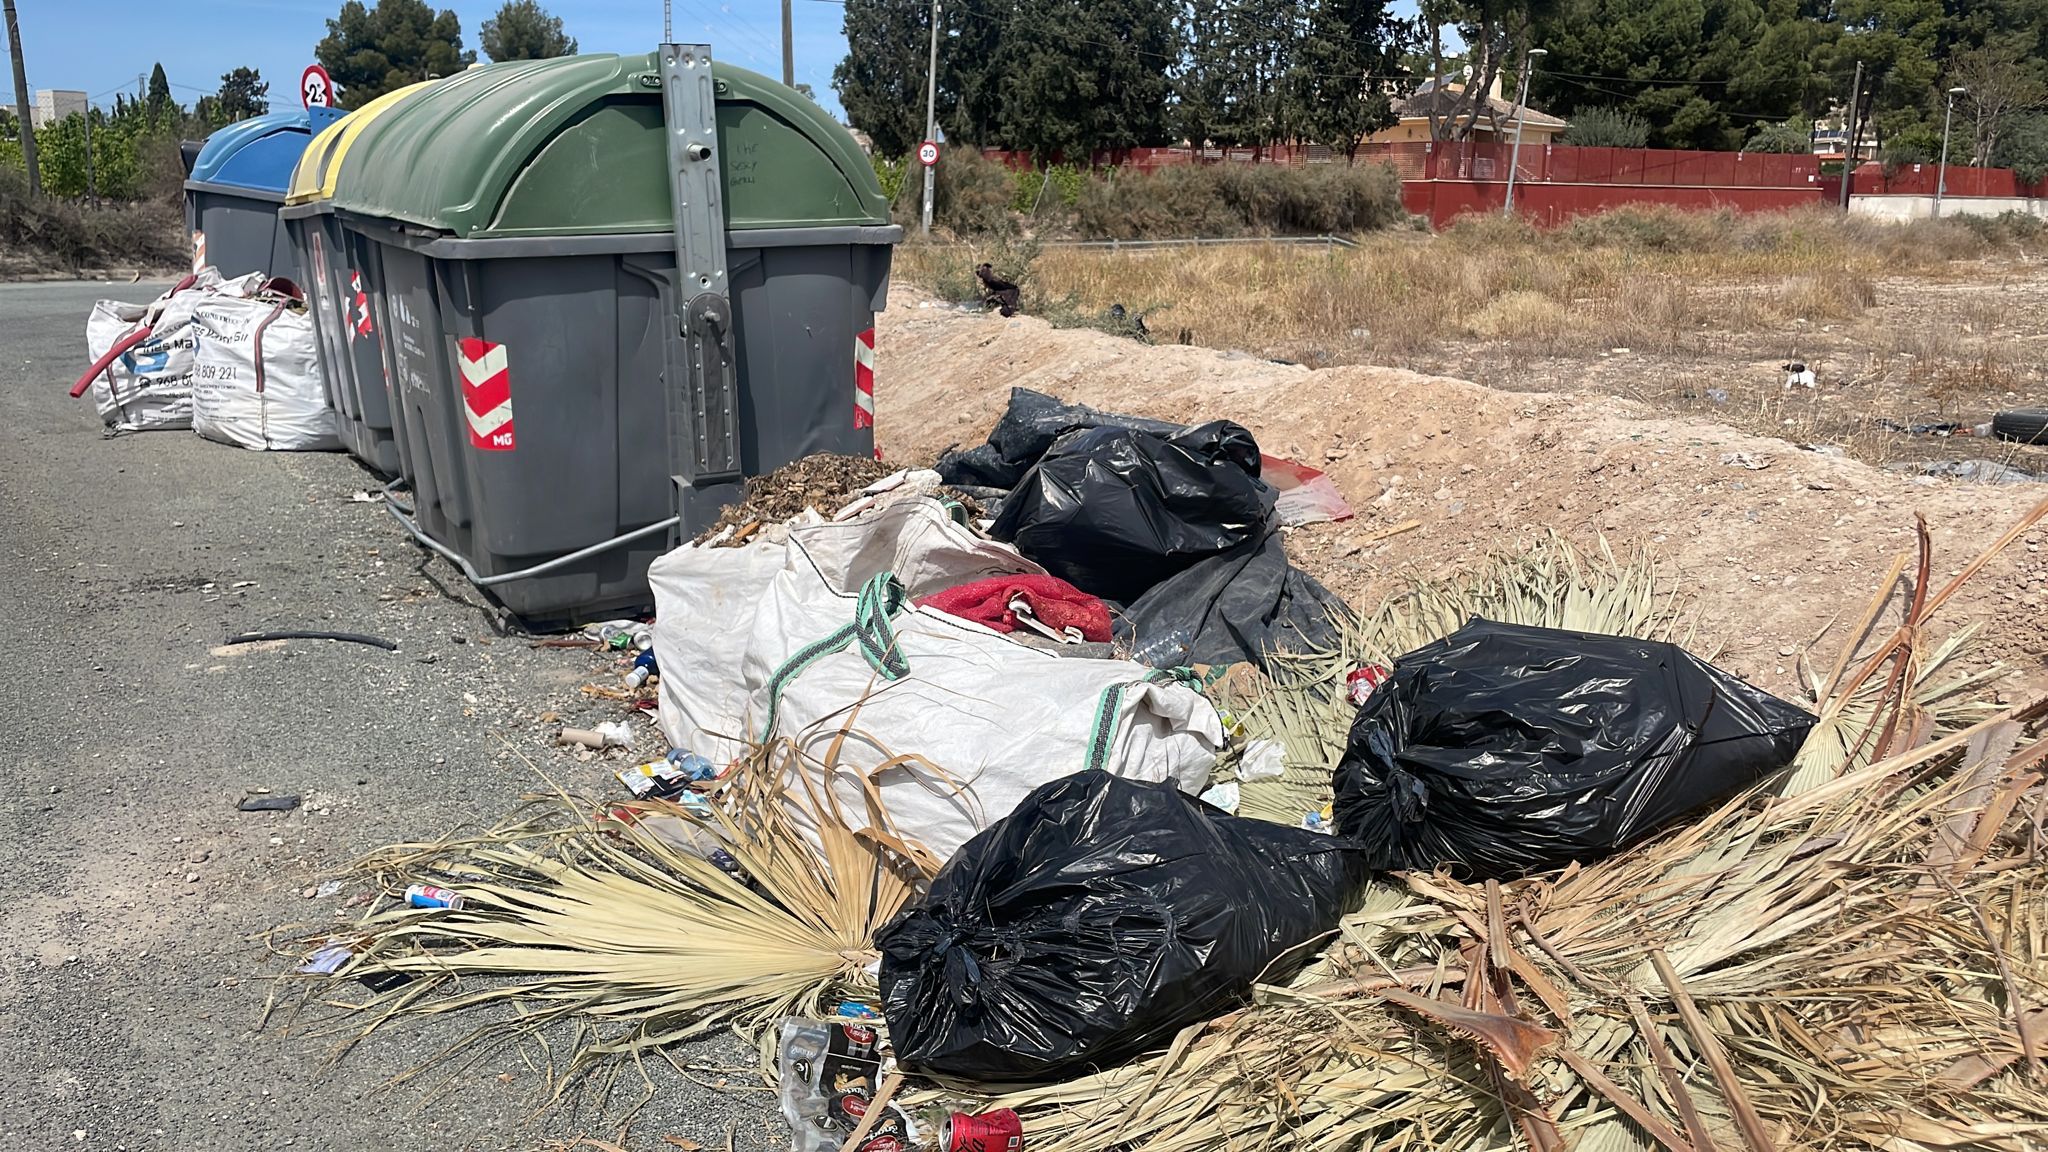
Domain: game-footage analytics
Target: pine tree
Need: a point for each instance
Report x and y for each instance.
(369, 52)
(523, 30)
(1342, 68)
(881, 82)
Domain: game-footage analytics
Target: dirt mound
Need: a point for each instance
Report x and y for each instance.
(1776, 540)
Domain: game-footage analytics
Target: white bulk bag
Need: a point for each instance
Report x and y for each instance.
(257, 382)
(150, 385)
(810, 640)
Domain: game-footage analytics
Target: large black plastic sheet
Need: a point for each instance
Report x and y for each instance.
(1236, 605)
(1094, 922)
(1114, 511)
(1503, 749)
(1027, 428)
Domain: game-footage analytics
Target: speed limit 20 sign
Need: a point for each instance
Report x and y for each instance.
(928, 153)
(315, 89)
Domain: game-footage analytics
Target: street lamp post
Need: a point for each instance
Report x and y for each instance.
(1521, 114)
(1941, 174)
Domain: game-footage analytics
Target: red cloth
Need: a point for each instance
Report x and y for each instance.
(1055, 603)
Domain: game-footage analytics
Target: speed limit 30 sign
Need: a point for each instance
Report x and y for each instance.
(928, 153)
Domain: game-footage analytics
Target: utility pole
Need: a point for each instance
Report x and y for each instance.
(788, 48)
(92, 187)
(1521, 115)
(1850, 131)
(28, 131)
(931, 118)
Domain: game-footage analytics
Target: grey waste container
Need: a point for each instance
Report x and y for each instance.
(584, 365)
(337, 270)
(236, 186)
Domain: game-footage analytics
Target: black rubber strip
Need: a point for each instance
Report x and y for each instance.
(345, 637)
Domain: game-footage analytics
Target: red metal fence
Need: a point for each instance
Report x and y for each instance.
(1553, 182)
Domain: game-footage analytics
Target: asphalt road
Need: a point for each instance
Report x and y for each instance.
(135, 899)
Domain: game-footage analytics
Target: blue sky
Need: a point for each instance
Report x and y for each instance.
(100, 46)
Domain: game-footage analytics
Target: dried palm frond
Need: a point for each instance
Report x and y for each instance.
(1904, 687)
(618, 917)
(1551, 584)
(1861, 965)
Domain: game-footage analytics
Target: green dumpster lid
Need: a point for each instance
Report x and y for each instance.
(576, 146)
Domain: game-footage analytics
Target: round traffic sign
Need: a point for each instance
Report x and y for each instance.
(315, 89)
(928, 153)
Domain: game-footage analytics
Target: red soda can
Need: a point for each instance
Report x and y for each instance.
(997, 1131)
(428, 896)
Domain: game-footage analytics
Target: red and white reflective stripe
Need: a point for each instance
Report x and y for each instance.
(864, 379)
(198, 252)
(362, 304)
(486, 394)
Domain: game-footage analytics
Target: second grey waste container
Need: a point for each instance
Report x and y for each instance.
(583, 363)
(236, 186)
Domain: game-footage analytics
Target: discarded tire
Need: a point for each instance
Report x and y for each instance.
(2026, 425)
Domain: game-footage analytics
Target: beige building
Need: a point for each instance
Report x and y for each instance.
(1495, 117)
(54, 104)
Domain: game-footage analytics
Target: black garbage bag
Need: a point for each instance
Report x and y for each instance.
(1503, 749)
(1236, 605)
(1027, 428)
(1114, 511)
(1094, 922)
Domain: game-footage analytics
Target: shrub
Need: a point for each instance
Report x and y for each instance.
(1606, 128)
(889, 174)
(1791, 137)
(973, 194)
(71, 237)
(1223, 200)
(1655, 227)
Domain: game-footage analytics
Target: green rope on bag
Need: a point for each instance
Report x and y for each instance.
(879, 600)
(1109, 707)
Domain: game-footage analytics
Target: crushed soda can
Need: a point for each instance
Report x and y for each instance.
(997, 1131)
(1362, 682)
(428, 896)
(644, 668)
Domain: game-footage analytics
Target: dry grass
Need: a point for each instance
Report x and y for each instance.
(1703, 305)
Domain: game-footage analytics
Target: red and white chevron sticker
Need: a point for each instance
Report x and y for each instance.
(486, 394)
(864, 379)
(362, 325)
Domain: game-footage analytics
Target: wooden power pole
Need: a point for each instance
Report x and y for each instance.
(28, 131)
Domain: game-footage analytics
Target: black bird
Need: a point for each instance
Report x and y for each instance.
(996, 292)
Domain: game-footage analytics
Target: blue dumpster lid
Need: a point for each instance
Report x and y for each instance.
(260, 152)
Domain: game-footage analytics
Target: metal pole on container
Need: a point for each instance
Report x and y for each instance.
(1941, 174)
(931, 120)
(1521, 115)
(668, 21)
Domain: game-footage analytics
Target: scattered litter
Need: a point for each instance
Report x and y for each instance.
(612, 734)
(1016, 966)
(1798, 375)
(1717, 395)
(327, 959)
(1307, 495)
(1504, 749)
(645, 667)
(829, 1076)
(1222, 796)
(854, 1010)
(268, 803)
(429, 896)
(997, 1131)
(1262, 760)
(344, 637)
(1824, 449)
(668, 777)
(1754, 461)
(1969, 471)
(366, 497)
(1360, 683)
(327, 888)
